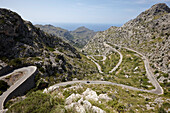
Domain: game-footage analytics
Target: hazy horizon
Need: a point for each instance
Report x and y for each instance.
(74, 26)
(116, 12)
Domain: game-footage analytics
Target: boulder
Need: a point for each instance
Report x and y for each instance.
(72, 98)
(97, 110)
(104, 97)
(90, 95)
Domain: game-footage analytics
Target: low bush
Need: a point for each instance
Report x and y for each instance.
(3, 86)
(37, 102)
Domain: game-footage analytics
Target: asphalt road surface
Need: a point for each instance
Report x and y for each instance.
(28, 71)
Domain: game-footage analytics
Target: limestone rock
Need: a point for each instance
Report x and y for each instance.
(148, 33)
(79, 108)
(104, 97)
(83, 105)
(90, 94)
(97, 110)
(72, 98)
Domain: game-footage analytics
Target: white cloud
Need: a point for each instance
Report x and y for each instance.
(79, 4)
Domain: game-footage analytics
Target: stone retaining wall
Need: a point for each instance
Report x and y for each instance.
(21, 90)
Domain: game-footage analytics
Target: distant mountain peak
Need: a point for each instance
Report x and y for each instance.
(158, 8)
(153, 13)
(161, 6)
(82, 28)
(149, 33)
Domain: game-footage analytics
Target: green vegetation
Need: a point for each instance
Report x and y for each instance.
(77, 38)
(83, 66)
(165, 85)
(16, 62)
(166, 88)
(98, 57)
(51, 49)
(132, 71)
(158, 16)
(110, 62)
(3, 86)
(71, 68)
(38, 102)
(123, 100)
(2, 21)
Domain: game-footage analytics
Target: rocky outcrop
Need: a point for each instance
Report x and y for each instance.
(23, 44)
(90, 95)
(148, 33)
(12, 24)
(72, 98)
(24, 39)
(83, 105)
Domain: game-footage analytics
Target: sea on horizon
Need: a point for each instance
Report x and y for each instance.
(94, 27)
(73, 26)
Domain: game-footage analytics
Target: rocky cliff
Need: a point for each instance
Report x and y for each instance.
(148, 33)
(24, 44)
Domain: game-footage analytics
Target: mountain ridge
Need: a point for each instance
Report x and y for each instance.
(23, 44)
(148, 33)
(78, 37)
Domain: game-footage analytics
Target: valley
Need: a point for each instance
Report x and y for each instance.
(44, 68)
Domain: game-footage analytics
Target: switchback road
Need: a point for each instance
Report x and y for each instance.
(28, 71)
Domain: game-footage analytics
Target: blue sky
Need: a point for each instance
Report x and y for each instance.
(79, 11)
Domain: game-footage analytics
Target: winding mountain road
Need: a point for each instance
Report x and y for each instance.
(158, 89)
(96, 82)
(104, 58)
(28, 71)
(120, 60)
(98, 66)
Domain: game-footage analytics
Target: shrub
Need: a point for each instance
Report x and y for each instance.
(37, 102)
(51, 49)
(121, 108)
(161, 110)
(16, 62)
(3, 86)
(165, 75)
(2, 21)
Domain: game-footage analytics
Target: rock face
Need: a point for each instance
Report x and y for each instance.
(72, 97)
(78, 37)
(83, 105)
(23, 44)
(24, 39)
(149, 33)
(90, 95)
